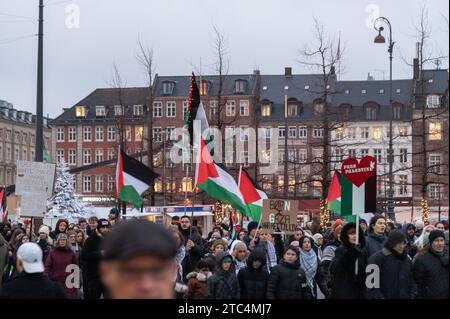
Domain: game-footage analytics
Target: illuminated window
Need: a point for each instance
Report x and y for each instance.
(280, 182)
(403, 184)
(128, 133)
(186, 184)
(377, 133)
(435, 131)
(339, 133)
(138, 133)
(291, 183)
(292, 109)
(403, 131)
(158, 185)
(204, 86)
(265, 110)
(80, 111)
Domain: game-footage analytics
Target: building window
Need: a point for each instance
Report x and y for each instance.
(157, 109)
(363, 91)
(98, 155)
(371, 113)
(59, 156)
(377, 133)
(170, 133)
(318, 132)
(185, 108)
(364, 152)
(351, 132)
(339, 155)
(403, 131)
(292, 132)
(381, 91)
(397, 90)
(118, 110)
(377, 155)
(99, 183)
(435, 131)
(157, 134)
(281, 131)
(111, 153)
(72, 157)
(99, 133)
(243, 133)
(87, 186)
(302, 155)
(138, 110)
(80, 112)
(8, 153)
(244, 158)
(244, 108)
(265, 110)
(291, 182)
(433, 101)
(100, 111)
(87, 160)
(352, 153)
(60, 134)
(128, 133)
(434, 191)
(292, 155)
(111, 134)
(434, 163)
(318, 108)
(72, 134)
(240, 86)
(213, 109)
(364, 132)
(397, 110)
(403, 184)
(339, 133)
(111, 183)
(302, 132)
(138, 133)
(24, 154)
(403, 155)
(231, 108)
(292, 109)
(171, 110)
(268, 132)
(168, 87)
(204, 86)
(186, 184)
(87, 133)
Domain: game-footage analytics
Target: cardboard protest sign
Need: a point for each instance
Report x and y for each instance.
(279, 216)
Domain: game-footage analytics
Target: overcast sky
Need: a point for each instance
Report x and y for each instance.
(264, 34)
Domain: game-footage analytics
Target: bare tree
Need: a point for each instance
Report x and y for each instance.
(119, 84)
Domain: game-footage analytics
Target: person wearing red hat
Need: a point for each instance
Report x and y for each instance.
(61, 227)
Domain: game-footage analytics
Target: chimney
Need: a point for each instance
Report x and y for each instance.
(369, 77)
(416, 69)
(288, 72)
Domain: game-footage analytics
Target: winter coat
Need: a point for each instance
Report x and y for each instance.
(253, 282)
(288, 281)
(410, 241)
(223, 284)
(3, 255)
(55, 268)
(374, 243)
(396, 280)
(194, 255)
(324, 268)
(46, 248)
(345, 283)
(431, 275)
(32, 286)
(54, 234)
(197, 286)
(90, 257)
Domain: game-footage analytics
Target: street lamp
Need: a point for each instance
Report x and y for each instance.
(380, 39)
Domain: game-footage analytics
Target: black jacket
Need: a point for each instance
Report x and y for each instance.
(396, 280)
(345, 283)
(374, 244)
(431, 276)
(253, 282)
(32, 286)
(90, 256)
(195, 254)
(288, 281)
(328, 254)
(54, 234)
(223, 284)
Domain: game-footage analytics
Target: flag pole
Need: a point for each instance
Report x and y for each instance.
(357, 242)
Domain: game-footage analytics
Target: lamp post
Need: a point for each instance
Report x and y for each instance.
(380, 39)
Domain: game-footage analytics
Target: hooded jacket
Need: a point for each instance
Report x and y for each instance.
(223, 284)
(374, 243)
(288, 281)
(56, 232)
(253, 282)
(345, 283)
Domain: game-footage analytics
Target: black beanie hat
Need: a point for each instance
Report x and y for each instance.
(252, 225)
(395, 237)
(435, 234)
(114, 211)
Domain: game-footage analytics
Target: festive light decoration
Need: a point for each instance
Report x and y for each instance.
(324, 215)
(424, 204)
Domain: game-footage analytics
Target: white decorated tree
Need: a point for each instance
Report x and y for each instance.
(65, 203)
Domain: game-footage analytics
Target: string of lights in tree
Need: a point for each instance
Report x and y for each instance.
(221, 211)
(424, 204)
(324, 215)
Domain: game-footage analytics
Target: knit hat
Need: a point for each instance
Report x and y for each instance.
(395, 237)
(44, 229)
(115, 211)
(337, 223)
(252, 225)
(219, 242)
(435, 234)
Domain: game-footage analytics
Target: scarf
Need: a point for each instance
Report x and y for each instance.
(271, 256)
(181, 253)
(308, 262)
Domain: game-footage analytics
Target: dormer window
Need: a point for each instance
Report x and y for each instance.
(347, 91)
(204, 87)
(168, 87)
(138, 110)
(433, 101)
(318, 107)
(100, 111)
(240, 86)
(265, 110)
(286, 87)
(381, 91)
(363, 91)
(371, 111)
(397, 90)
(306, 87)
(118, 110)
(397, 111)
(264, 88)
(80, 112)
(14, 114)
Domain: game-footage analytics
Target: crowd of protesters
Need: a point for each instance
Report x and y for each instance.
(140, 259)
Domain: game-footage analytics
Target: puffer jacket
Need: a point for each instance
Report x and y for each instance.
(431, 275)
(288, 281)
(223, 284)
(253, 282)
(374, 243)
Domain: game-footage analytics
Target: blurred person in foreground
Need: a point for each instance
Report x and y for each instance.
(139, 261)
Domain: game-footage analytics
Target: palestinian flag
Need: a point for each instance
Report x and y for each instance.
(334, 194)
(253, 196)
(132, 179)
(215, 180)
(195, 110)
